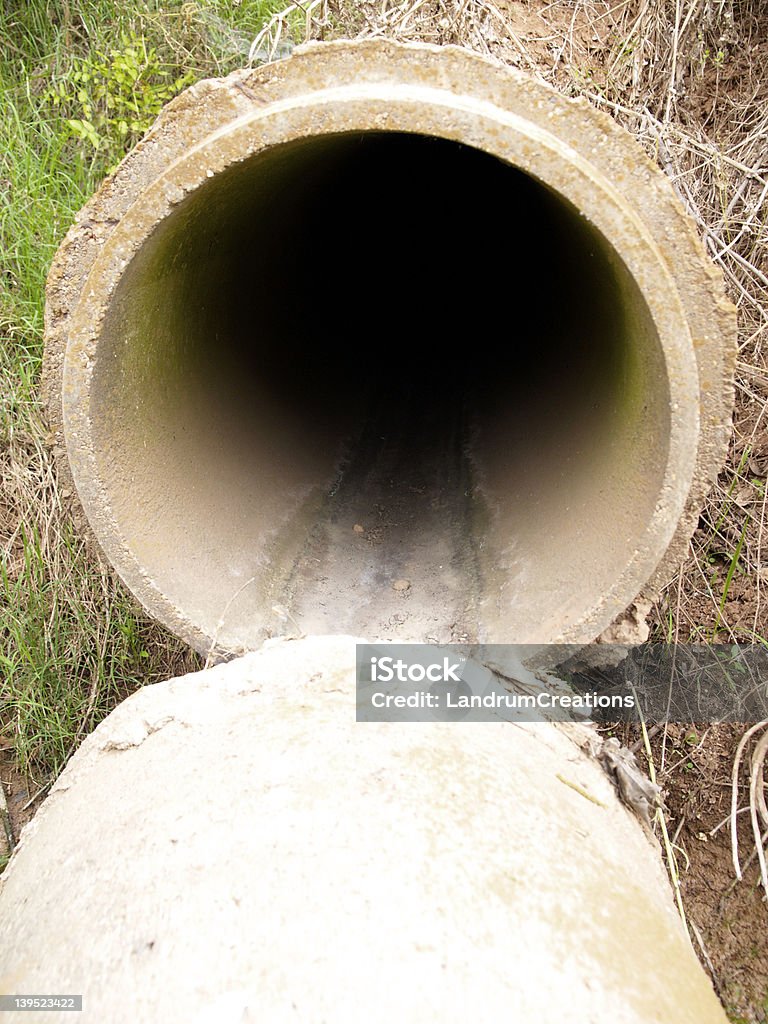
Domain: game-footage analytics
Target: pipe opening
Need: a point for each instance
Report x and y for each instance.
(389, 331)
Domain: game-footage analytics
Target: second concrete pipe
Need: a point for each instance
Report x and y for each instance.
(381, 315)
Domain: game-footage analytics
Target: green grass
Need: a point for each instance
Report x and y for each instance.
(72, 642)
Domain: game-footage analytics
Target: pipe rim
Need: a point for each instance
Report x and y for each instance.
(393, 108)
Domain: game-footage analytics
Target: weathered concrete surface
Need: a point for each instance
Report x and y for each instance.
(246, 335)
(232, 846)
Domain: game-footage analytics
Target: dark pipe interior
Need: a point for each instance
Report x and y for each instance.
(394, 332)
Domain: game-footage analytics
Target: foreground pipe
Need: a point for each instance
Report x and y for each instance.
(233, 846)
(250, 356)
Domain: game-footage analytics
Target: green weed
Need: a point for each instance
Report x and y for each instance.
(112, 98)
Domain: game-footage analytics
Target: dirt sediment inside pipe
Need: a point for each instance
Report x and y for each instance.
(395, 551)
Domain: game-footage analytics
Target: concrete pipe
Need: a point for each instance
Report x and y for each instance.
(232, 846)
(380, 315)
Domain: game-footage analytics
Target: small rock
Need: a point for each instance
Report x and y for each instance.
(401, 585)
(358, 528)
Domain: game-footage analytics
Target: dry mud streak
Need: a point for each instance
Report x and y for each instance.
(407, 483)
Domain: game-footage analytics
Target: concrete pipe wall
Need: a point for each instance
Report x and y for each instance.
(232, 846)
(383, 315)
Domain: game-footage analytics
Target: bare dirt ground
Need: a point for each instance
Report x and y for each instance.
(727, 918)
(20, 802)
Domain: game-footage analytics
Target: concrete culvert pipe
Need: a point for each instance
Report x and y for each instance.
(232, 846)
(383, 315)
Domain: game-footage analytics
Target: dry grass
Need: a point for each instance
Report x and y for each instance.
(74, 643)
(758, 810)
